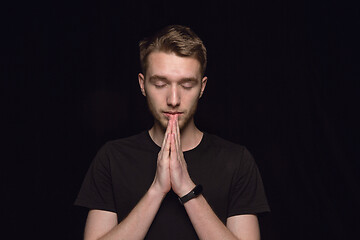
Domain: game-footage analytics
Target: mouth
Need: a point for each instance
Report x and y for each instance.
(169, 114)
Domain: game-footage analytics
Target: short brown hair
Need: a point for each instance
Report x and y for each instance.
(178, 39)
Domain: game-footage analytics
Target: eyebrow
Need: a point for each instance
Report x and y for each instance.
(157, 77)
(183, 80)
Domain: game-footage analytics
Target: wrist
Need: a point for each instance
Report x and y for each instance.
(186, 189)
(195, 192)
(154, 191)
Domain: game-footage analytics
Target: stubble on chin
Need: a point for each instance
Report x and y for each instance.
(162, 122)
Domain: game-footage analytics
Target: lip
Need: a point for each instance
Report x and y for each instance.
(169, 114)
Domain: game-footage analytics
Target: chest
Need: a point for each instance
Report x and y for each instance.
(132, 175)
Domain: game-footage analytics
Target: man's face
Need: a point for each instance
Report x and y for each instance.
(172, 86)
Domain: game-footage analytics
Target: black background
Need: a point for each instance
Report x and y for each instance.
(283, 80)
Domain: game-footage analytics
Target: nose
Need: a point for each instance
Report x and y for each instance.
(173, 98)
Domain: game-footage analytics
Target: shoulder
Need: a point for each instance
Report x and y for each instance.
(219, 143)
(135, 144)
(229, 151)
(139, 141)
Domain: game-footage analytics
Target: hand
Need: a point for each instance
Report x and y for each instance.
(181, 182)
(161, 183)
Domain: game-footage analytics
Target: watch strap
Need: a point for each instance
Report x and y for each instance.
(192, 194)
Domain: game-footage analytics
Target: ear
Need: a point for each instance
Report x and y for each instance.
(141, 79)
(203, 85)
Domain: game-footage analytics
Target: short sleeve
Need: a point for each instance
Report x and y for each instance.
(247, 194)
(96, 191)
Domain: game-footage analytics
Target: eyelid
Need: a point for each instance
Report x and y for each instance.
(186, 84)
(159, 86)
(159, 83)
(189, 84)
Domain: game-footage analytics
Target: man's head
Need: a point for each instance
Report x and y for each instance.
(173, 64)
(176, 39)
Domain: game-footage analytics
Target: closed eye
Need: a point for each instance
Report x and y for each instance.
(188, 84)
(159, 85)
(158, 81)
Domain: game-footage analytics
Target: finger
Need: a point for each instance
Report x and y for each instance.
(168, 130)
(173, 153)
(172, 122)
(175, 132)
(168, 144)
(177, 148)
(179, 151)
(165, 150)
(177, 129)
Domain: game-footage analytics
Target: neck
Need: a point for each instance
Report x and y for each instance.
(190, 136)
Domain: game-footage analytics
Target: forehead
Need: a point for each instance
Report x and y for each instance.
(172, 66)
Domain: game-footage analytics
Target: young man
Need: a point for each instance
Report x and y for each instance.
(173, 181)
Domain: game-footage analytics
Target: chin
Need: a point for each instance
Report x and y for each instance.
(163, 122)
(183, 124)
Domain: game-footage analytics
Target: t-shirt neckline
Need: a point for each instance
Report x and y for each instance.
(198, 147)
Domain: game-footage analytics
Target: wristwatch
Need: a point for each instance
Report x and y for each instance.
(192, 194)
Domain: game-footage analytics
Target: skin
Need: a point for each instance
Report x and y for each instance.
(172, 87)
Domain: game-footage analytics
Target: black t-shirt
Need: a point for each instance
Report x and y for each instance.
(124, 169)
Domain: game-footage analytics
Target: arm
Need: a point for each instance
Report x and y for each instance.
(103, 224)
(209, 226)
(203, 218)
(244, 226)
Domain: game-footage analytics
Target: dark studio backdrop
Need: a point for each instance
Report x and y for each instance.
(283, 81)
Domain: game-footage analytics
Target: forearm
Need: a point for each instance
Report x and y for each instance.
(137, 223)
(207, 225)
